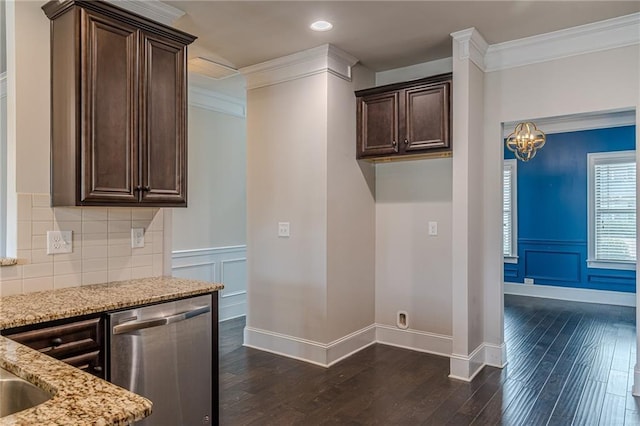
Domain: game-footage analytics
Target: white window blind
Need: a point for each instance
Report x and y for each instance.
(509, 209)
(612, 208)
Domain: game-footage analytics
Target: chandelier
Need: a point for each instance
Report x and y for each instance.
(525, 141)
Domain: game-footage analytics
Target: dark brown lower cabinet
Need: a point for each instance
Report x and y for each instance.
(79, 343)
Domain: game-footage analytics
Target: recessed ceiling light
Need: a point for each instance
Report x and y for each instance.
(321, 26)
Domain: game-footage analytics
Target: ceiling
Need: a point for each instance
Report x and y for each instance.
(381, 34)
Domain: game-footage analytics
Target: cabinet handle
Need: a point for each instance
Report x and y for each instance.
(394, 143)
(56, 342)
(137, 188)
(97, 369)
(406, 141)
(146, 188)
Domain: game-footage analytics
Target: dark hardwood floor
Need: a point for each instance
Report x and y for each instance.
(569, 363)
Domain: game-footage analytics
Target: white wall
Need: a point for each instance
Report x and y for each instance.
(3, 38)
(413, 269)
(209, 237)
(350, 219)
(216, 216)
(287, 182)
(414, 72)
(311, 296)
(32, 86)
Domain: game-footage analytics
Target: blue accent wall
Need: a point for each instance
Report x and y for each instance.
(552, 212)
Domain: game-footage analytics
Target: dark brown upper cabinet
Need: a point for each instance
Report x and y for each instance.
(118, 107)
(405, 120)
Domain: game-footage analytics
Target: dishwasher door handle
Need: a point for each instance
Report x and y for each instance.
(130, 326)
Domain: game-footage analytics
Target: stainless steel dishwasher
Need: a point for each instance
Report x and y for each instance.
(163, 352)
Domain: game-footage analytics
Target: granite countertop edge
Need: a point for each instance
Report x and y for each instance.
(78, 397)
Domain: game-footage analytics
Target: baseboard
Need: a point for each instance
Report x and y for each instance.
(421, 341)
(635, 390)
(495, 355)
(572, 294)
(325, 355)
(348, 345)
(466, 367)
(309, 351)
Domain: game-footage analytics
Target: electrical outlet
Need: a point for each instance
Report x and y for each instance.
(137, 237)
(59, 242)
(283, 229)
(528, 280)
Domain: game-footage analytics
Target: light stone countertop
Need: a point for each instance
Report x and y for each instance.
(78, 397)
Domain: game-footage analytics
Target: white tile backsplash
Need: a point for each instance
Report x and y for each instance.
(40, 228)
(101, 246)
(95, 265)
(67, 267)
(94, 213)
(122, 213)
(64, 281)
(10, 287)
(35, 270)
(29, 285)
(62, 214)
(95, 227)
(41, 213)
(95, 277)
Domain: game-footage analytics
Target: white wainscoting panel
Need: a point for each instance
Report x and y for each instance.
(226, 265)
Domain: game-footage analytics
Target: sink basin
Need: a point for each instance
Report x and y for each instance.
(17, 394)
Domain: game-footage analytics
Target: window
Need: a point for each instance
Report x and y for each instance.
(612, 210)
(509, 213)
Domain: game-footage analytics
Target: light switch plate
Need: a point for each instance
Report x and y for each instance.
(59, 242)
(283, 229)
(137, 237)
(433, 228)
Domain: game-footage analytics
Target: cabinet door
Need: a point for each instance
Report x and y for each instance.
(108, 108)
(378, 124)
(163, 122)
(426, 118)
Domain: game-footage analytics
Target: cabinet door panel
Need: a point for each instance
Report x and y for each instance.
(427, 118)
(164, 165)
(109, 148)
(378, 124)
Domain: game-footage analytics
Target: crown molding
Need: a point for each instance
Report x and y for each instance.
(215, 101)
(471, 45)
(152, 9)
(578, 122)
(608, 34)
(325, 58)
(3, 85)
